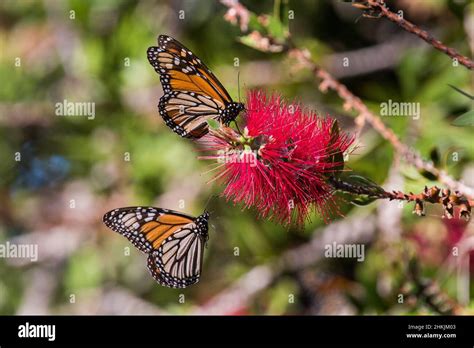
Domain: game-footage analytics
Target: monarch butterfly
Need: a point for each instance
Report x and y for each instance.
(173, 241)
(192, 94)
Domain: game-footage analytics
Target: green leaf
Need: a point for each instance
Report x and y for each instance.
(435, 156)
(254, 24)
(363, 200)
(465, 120)
(461, 91)
(249, 41)
(334, 132)
(362, 181)
(276, 28)
(285, 18)
(213, 124)
(428, 175)
(337, 157)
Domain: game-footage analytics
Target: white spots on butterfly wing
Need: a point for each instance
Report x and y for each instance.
(130, 219)
(188, 63)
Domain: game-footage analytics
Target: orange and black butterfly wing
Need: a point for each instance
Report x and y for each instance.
(189, 61)
(174, 241)
(178, 262)
(184, 76)
(145, 227)
(186, 112)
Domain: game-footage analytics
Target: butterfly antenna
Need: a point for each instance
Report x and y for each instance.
(208, 201)
(238, 83)
(238, 90)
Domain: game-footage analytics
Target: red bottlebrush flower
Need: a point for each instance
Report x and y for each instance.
(281, 161)
(456, 230)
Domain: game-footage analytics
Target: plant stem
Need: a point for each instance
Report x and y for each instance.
(379, 7)
(434, 195)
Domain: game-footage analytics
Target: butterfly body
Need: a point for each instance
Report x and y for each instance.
(231, 111)
(192, 93)
(173, 241)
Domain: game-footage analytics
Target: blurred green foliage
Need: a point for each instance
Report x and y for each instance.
(127, 156)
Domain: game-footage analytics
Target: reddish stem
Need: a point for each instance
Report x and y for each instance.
(379, 7)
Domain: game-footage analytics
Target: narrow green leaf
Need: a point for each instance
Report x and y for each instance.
(461, 91)
(362, 181)
(465, 120)
(435, 156)
(334, 132)
(337, 157)
(363, 200)
(428, 175)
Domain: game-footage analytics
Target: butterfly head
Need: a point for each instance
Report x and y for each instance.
(231, 111)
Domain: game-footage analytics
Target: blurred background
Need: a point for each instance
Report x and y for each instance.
(60, 174)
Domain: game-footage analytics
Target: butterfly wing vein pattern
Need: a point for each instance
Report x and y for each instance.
(192, 93)
(173, 241)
